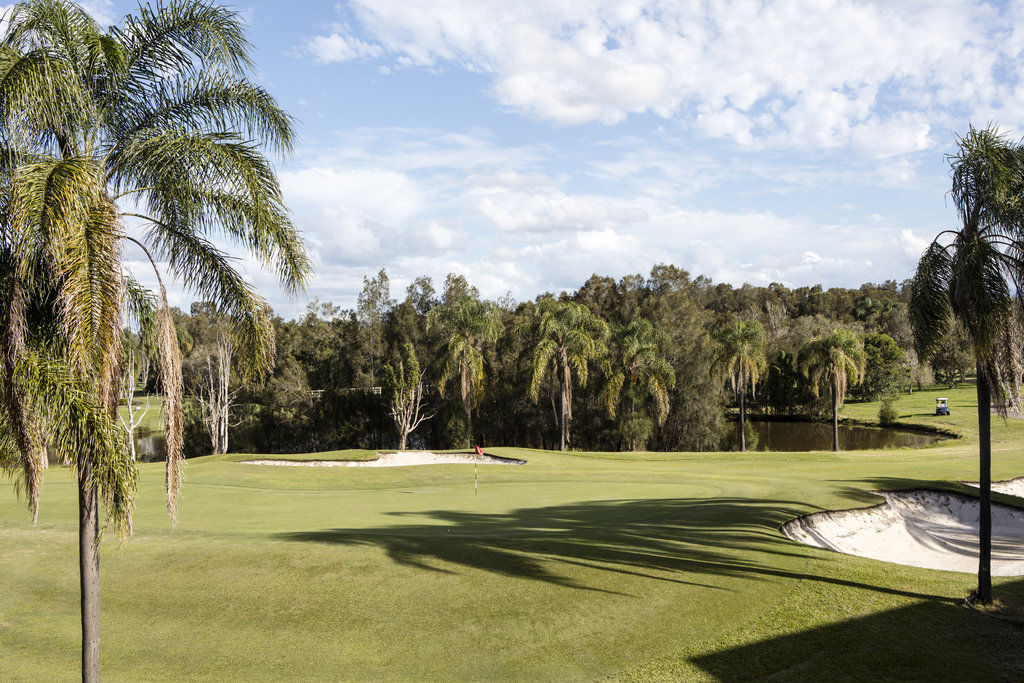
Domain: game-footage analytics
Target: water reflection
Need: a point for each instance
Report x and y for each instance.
(150, 447)
(771, 436)
(817, 436)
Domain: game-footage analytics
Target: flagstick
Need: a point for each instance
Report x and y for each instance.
(474, 479)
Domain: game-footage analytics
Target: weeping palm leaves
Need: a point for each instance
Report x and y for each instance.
(569, 337)
(158, 115)
(975, 275)
(639, 366)
(836, 359)
(467, 324)
(742, 360)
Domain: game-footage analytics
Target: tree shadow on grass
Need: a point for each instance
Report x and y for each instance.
(928, 640)
(677, 540)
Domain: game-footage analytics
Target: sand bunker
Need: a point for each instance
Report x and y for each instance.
(400, 459)
(1011, 487)
(920, 528)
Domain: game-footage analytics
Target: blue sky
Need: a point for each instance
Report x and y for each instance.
(529, 144)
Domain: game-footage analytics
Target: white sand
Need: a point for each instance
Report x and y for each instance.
(920, 528)
(1011, 487)
(400, 459)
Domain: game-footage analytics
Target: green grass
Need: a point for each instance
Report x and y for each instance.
(578, 566)
(153, 421)
(352, 454)
(918, 409)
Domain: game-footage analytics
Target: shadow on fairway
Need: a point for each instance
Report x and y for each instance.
(931, 639)
(678, 540)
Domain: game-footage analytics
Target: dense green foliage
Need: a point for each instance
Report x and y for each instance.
(835, 361)
(886, 370)
(651, 383)
(742, 360)
(568, 336)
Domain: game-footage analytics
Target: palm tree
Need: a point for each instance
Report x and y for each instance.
(974, 275)
(569, 337)
(153, 122)
(742, 359)
(467, 324)
(640, 363)
(835, 359)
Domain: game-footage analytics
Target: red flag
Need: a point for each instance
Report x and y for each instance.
(479, 451)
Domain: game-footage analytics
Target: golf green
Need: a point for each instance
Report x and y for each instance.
(573, 566)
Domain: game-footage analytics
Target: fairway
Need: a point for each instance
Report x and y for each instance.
(573, 566)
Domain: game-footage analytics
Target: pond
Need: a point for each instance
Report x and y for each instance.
(151, 447)
(817, 436)
(771, 436)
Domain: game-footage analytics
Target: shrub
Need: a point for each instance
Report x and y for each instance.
(887, 414)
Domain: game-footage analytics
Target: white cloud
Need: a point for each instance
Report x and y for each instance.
(341, 46)
(913, 245)
(100, 10)
(877, 77)
(421, 202)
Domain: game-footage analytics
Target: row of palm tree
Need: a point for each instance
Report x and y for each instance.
(568, 338)
(835, 360)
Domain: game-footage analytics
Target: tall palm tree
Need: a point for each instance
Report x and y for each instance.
(742, 360)
(974, 274)
(147, 136)
(639, 364)
(467, 324)
(835, 359)
(569, 337)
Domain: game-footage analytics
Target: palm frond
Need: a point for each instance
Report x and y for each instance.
(929, 307)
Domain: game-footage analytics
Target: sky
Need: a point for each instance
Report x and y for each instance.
(529, 144)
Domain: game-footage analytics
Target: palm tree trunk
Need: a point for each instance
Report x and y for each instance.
(467, 401)
(743, 420)
(89, 571)
(985, 487)
(835, 418)
(566, 378)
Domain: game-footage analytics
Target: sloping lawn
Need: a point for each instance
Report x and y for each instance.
(571, 566)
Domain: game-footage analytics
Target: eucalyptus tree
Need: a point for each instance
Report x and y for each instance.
(135, 363)
(403, 383)
(212, 390)
(639, 366)
(466, 324)
(373, 305)
(568, 336)
(742, 360)
(972, 275)
(835, 359)
(150, 136)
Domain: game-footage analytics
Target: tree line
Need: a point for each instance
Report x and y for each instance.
(643, 362)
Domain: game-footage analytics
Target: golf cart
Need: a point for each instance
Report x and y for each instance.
(941, 406)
